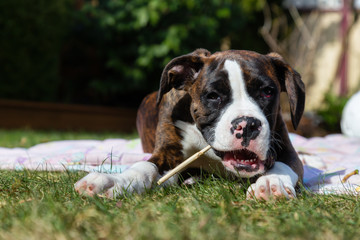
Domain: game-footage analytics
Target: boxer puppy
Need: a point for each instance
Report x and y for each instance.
(229, 100)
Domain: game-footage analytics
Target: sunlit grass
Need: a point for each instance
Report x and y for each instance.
(43, 205)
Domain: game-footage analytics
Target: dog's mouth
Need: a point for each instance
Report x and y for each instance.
(242, 160)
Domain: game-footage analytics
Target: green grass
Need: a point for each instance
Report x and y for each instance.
(43, 205)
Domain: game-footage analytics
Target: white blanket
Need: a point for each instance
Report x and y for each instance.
(326, 161)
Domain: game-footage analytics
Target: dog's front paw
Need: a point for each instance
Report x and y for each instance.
(137, 179)
(94, 183)
(279, 182)
(272, 186)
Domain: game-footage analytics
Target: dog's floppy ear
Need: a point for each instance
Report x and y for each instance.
(291, 83)
(181, 71)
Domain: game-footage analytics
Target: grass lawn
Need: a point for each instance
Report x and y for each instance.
(43, 205)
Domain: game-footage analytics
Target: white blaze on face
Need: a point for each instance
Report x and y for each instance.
(242, 105)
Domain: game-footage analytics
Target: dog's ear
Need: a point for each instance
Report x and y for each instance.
(291, 83)
(181, 71)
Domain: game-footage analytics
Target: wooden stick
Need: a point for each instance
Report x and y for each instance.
(182, 165)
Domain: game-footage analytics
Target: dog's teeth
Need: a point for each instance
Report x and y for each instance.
(246, 161)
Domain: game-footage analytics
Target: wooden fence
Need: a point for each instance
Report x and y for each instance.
(39, 115)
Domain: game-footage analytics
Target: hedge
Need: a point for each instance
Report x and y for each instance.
(111, 52)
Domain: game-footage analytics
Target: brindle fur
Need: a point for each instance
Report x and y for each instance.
(178, 99)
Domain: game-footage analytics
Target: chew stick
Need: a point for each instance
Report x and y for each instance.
(182, 165)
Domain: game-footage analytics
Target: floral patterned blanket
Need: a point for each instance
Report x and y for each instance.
(326, 160)
(110, 155)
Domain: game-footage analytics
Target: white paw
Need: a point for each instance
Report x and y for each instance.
(279, 182)
(137, 178)
(270, 187)
(94, 183)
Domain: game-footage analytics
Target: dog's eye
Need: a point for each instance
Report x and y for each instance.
(213, 96)
(267, 92)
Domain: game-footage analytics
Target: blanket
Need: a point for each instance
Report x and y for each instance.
(326, 160)
(110, 155)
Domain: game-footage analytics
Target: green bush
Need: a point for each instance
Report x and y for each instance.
(331, 112)
(141, 36)
(112, 50)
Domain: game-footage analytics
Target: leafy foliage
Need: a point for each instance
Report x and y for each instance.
(112, 48)
(142, 36)
(331, 112)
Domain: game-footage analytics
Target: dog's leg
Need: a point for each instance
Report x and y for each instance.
(287, 172)
(278, 182)
(142, 175)
(136, 179)
(146, 122)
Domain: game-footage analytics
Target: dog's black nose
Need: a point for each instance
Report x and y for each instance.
(246, 128)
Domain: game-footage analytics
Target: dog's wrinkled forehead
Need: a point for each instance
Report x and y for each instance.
(253, 65)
